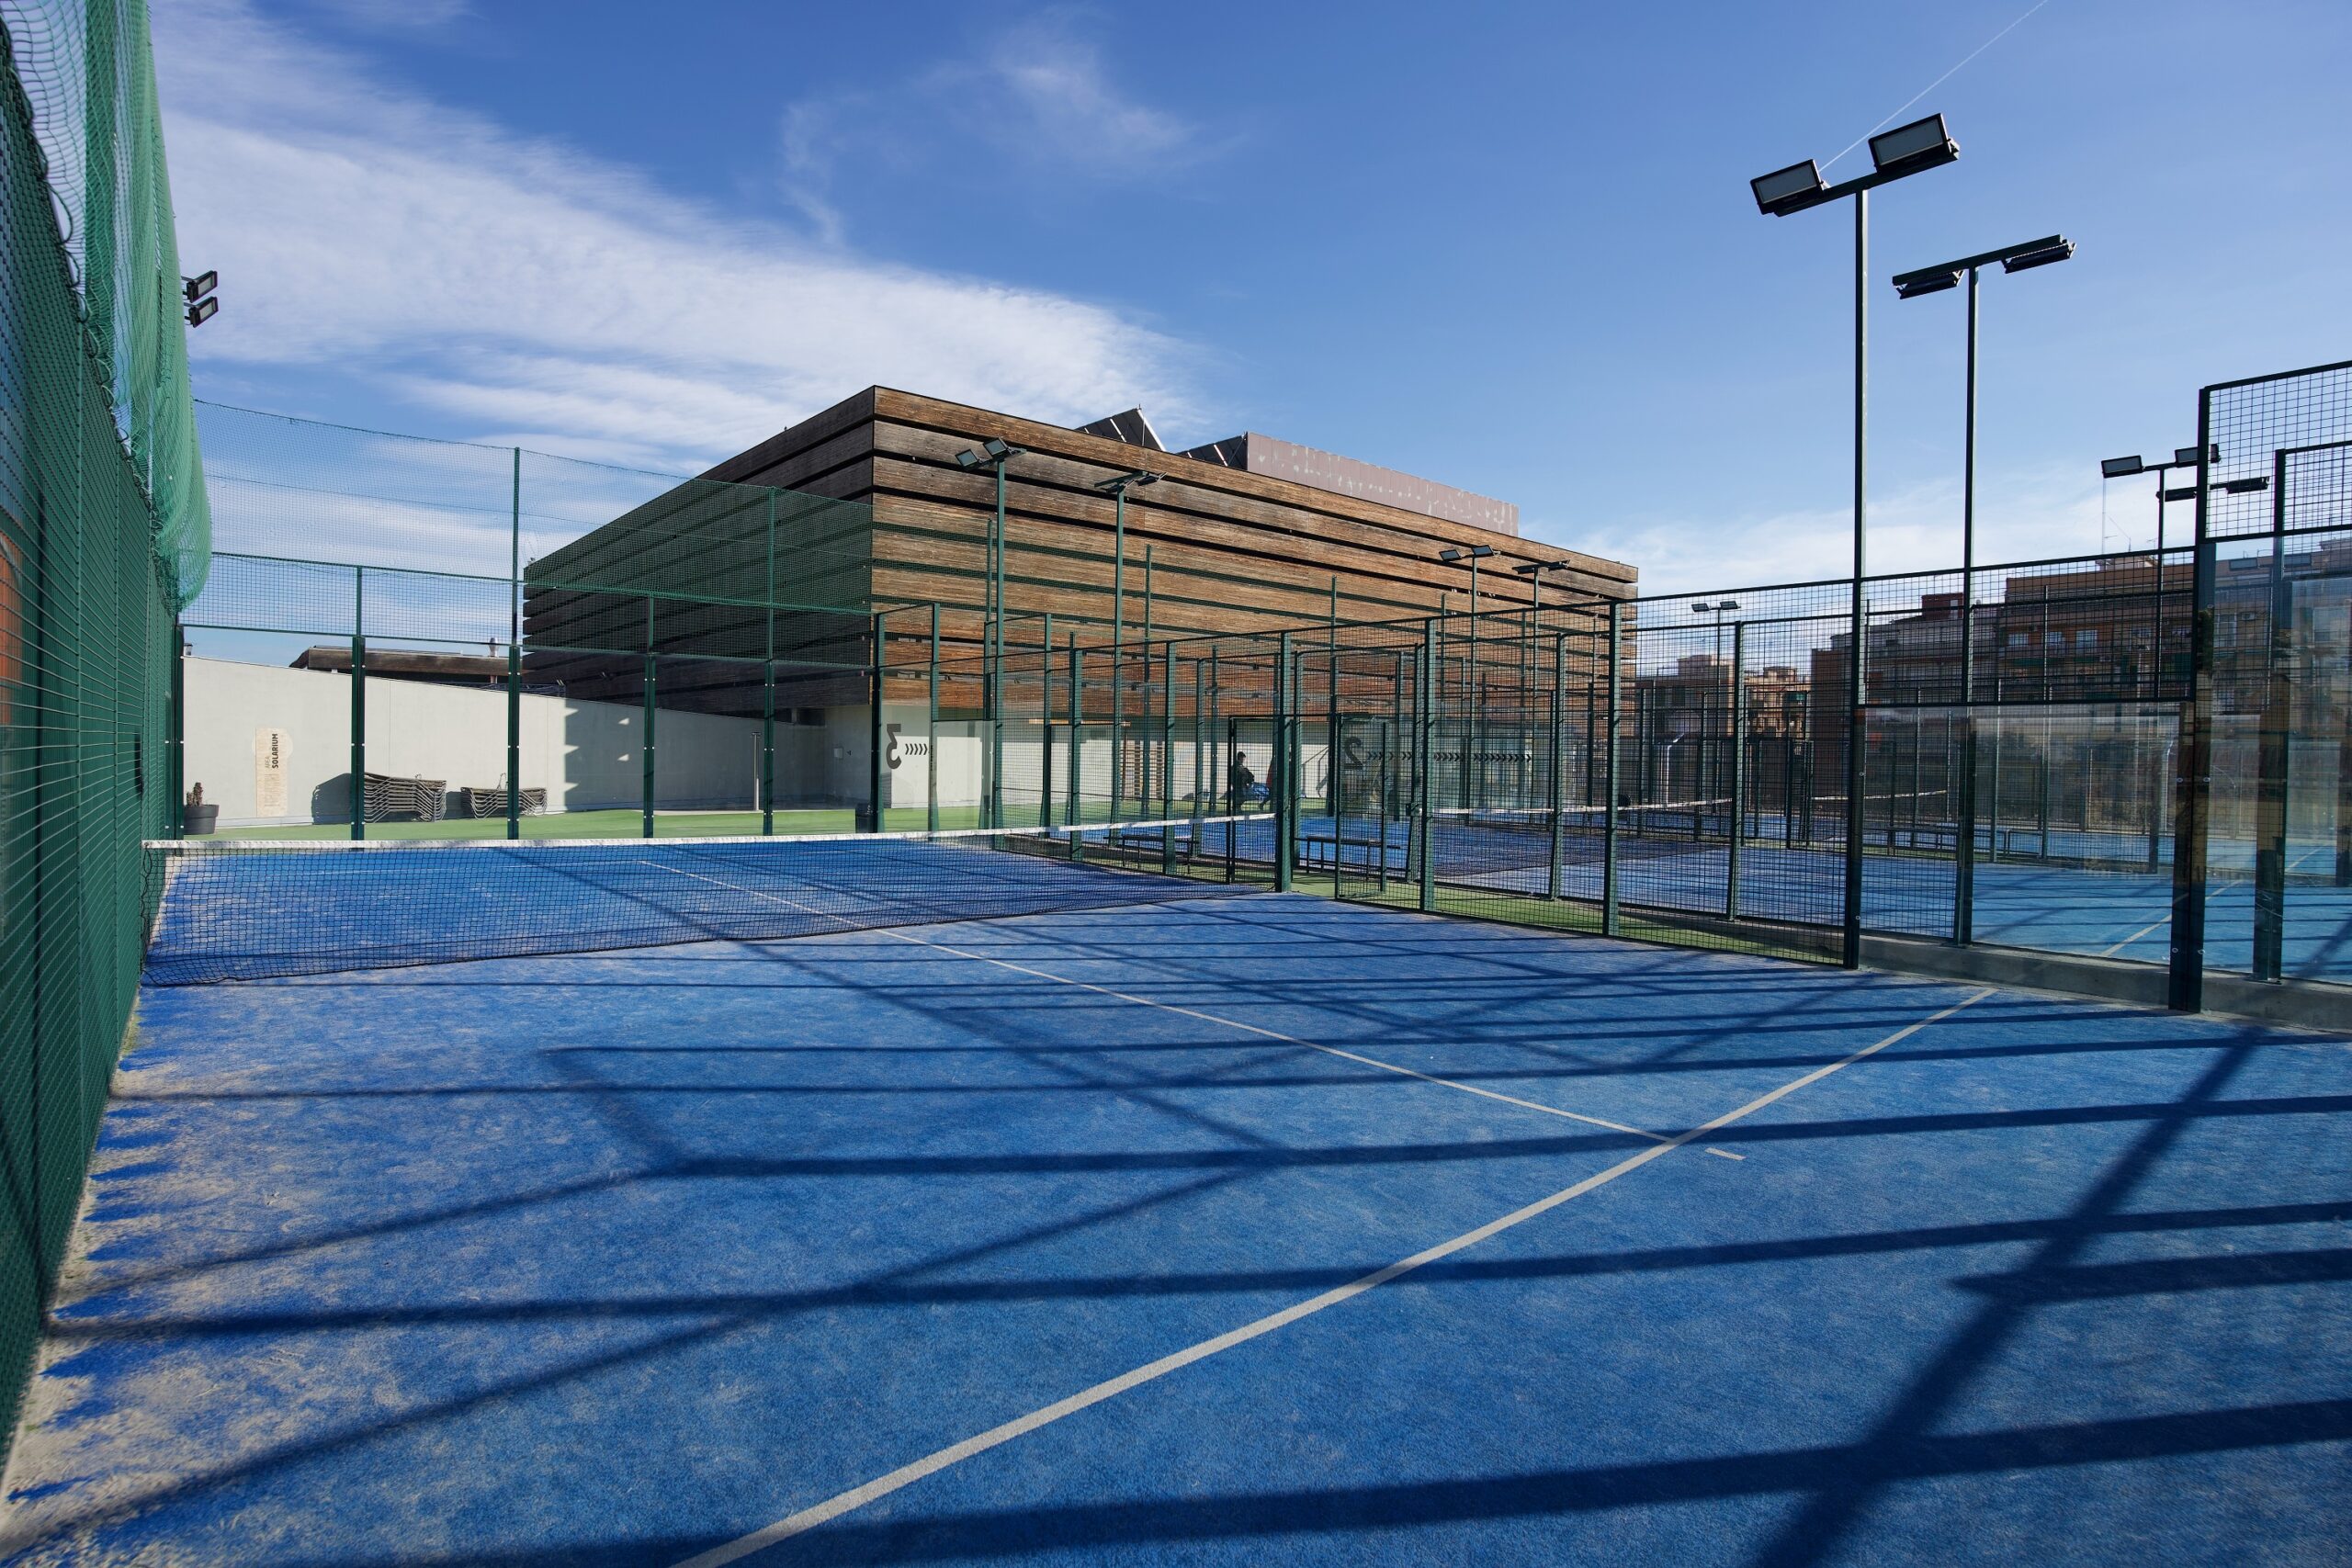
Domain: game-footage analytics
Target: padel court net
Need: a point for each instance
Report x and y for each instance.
(257, 910)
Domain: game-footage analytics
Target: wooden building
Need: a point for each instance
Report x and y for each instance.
(1207, 549)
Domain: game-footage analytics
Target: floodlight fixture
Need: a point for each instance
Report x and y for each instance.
(968, 459)
(2244, 487)
(1474, 552)
(2186, 457)
(197, 287)
(1914, 285)
(1907, 149)
(2041, 255)
(995, 447)
(1788, 190)
(1118, 484)
(2121, 467)
(2180, 492)
(203, 310)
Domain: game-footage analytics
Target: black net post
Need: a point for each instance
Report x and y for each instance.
(359, 702)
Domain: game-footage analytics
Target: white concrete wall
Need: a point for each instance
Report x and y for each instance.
(585, 755)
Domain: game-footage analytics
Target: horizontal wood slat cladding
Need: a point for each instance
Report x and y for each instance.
(1267, 523)
(1232, 553)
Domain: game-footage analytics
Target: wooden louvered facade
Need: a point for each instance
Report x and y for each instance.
(1209, 550)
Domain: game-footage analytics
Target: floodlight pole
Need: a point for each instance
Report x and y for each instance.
(1913, 285)
(1894, 154)
(1850, 938)
(1963, 892)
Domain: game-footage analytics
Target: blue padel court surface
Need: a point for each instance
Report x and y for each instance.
(1241, 1229)
(2020, 901)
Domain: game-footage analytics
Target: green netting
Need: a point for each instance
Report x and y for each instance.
(94, 444)
(85, 83)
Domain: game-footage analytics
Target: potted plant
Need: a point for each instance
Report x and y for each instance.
(196, 816)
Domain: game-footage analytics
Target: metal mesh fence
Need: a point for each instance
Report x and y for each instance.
(2269, 893)
(101, 528)
(679, 656)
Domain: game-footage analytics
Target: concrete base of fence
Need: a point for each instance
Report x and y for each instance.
(2140, 985)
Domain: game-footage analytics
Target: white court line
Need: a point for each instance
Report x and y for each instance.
(2144, 931)
(856, 1497)
(1189, 1012)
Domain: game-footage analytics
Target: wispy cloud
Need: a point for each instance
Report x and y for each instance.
(364, 230)
(1036, 96)
(394, 16)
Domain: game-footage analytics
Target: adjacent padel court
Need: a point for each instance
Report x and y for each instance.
(1021, 1209)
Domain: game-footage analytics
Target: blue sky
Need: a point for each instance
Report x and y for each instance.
(1509, 247)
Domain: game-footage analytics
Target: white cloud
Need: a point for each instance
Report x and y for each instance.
(388, 15)
(358, 227)
(1039, 94)
(2031, 515)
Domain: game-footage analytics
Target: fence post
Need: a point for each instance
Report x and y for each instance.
(2344, 802)
(1200, 736)
(2273, 748)
(876, 775)
(1738, 768)
(514, 741)
(176, 818)
(1285, 773)
(1963, 864)
(514, 653)
(1423, 806)
(1143, 752)
(1608, 771)
(1046, 727)
(767, 687)
(2193, 778)
(931, 732)
(648, 748)
(1077, 748)
(1557, 794)
(1167, 763)
(359, 702)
